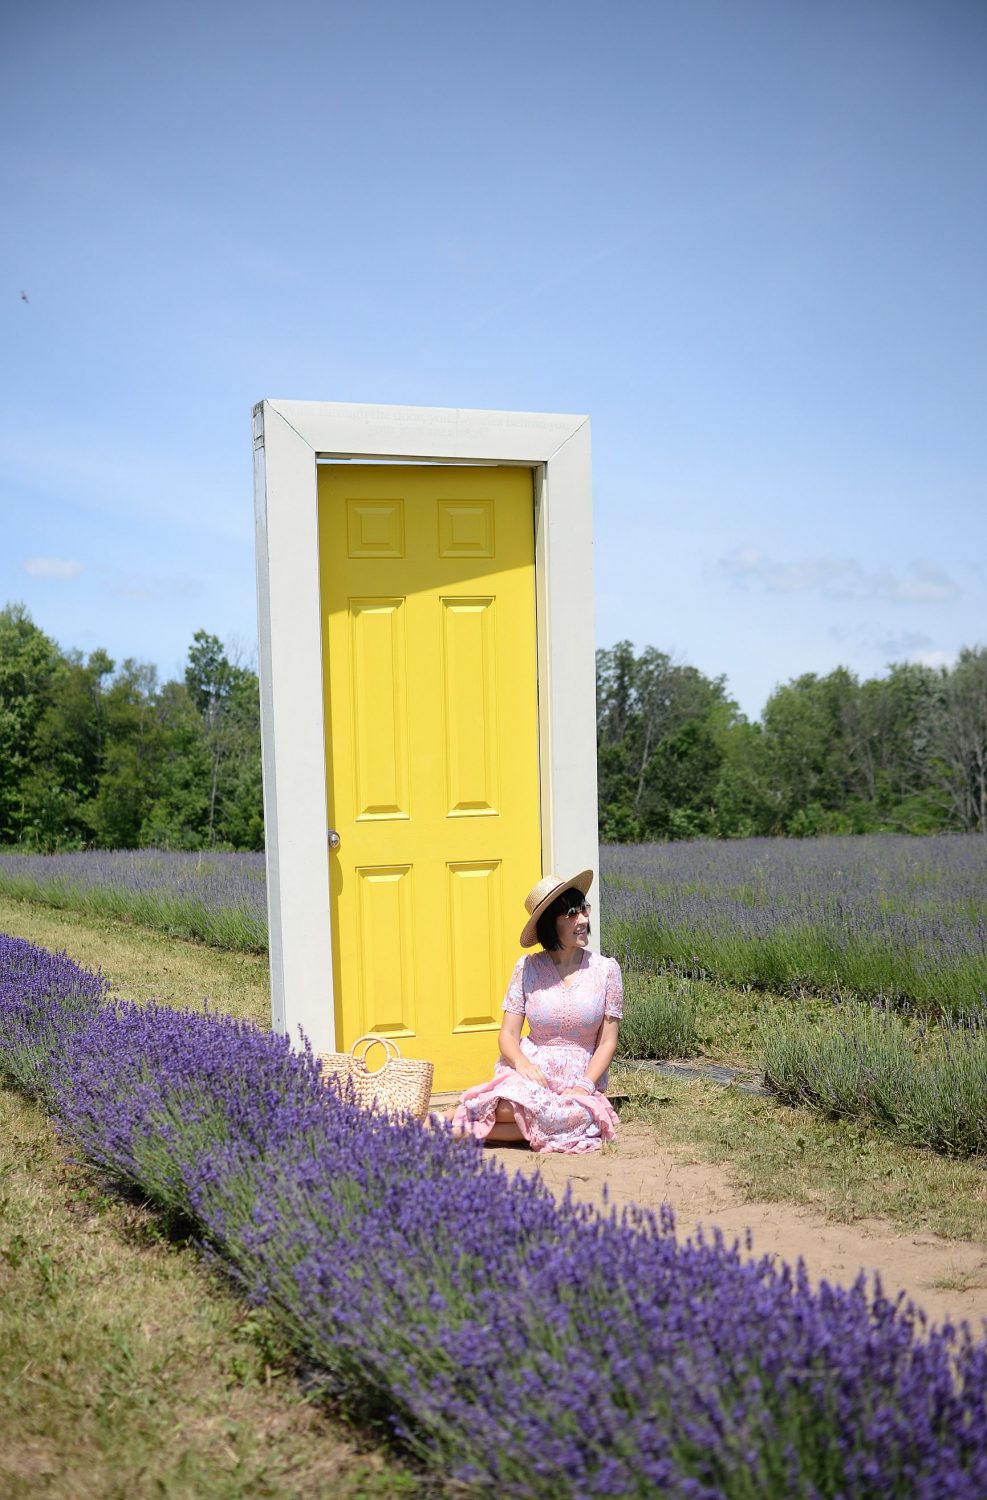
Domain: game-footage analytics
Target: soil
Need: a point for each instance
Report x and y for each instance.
(946, 1278)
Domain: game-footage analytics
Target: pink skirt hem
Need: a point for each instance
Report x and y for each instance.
(548, 1121)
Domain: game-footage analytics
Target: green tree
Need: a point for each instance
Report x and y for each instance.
(240, 816)
(178, 816)
(660, 727)
(68, 754)
(680, 783)
(888, 728)
(227, 697)
(960, 745)
(30, 663)
(746, 797)
(133, 752)
(805, 751)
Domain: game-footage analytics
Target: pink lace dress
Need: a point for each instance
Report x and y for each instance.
(564, 1022)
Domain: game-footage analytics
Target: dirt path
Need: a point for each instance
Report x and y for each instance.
(948, 1278)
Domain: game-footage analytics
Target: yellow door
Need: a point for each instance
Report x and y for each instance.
(428, 632)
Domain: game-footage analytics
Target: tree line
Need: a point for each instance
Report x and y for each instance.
(903, 753)
(95, 753)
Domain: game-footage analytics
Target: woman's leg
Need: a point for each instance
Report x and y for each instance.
(506, 1128)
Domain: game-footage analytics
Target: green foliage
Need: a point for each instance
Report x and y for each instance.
(92, 754)
(903, 753)
(659, 1018)
(805, 751)
(801, 955)
(660, 730)
(29, 668)
(924, 1085)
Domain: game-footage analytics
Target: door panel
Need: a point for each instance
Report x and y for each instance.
(385, 981)
(475, 907)
(469, 710)
(379, 708)
(428, 605)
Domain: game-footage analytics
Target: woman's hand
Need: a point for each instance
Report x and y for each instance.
(531, 1071)
(510, 1051)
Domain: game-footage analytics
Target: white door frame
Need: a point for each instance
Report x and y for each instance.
(290, 437)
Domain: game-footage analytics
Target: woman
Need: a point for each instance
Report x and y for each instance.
(548, 1086)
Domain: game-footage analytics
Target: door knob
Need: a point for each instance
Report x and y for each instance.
(333, 839)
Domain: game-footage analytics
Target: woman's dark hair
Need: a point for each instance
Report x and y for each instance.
(545, 926)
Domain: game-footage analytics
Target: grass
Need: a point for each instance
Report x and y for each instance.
(177, 913)
(143, 964)
(723, 1022)
(844, 1169)
(805, 957)
(891, 918)
(402, 1332)
(126, 1367)
(959, 1280)
(117, 1339)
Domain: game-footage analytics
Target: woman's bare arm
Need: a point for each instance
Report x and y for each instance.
(509, 1042)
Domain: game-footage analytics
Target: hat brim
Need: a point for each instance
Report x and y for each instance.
(580, 882)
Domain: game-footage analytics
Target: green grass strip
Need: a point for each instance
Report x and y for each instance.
(804, 956)
(180, 916)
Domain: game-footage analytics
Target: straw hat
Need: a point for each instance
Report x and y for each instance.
(542, 896)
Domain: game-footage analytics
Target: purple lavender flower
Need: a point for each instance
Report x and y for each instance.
(44, 998)
(520, 1345)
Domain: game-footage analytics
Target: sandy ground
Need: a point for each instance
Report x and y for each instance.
(644, 1172)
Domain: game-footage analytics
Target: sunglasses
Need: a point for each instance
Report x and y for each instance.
(582, 910)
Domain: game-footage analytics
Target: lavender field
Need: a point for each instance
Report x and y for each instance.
(881, 917)
(215, 898)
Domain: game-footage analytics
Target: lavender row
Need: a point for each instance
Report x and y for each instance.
(890, 916)
(218, 898)
(517, 1345)
(927, 1088)
(894, 917)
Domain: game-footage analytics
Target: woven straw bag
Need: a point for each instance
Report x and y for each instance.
(401, 1085)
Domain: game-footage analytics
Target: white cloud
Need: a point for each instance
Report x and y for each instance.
(838, 578)
(933, 658)
(52, 567)
(143, 587)
(894, 645)
(905, 643)
(928, 584)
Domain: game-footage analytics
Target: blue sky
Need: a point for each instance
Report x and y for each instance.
(747, 239)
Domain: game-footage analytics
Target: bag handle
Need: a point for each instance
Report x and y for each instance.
(391, 1050)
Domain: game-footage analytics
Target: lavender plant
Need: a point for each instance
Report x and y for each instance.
(516, 1344)
(928, 1086)
(217, 898)
(659, 1018)
(44, 999)
(892, 918)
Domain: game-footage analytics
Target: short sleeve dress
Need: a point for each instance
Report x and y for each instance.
(564, 1022)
